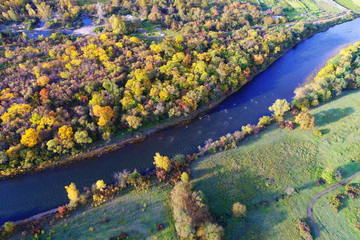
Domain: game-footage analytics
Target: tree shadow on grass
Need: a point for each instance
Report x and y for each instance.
(222, 189)
(332, 115)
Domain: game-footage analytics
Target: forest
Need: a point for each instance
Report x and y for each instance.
(61, 93)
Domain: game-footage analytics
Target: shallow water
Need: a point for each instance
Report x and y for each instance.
(27, 195)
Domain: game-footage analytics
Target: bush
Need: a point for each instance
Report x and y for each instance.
(9, 227)
(305, 120)
(162, 162)
(317, 133)
(210, 231)
(239, 210)
(304, 228)
(264, 121)
(328, 175)
(179, 159)
(185, 177)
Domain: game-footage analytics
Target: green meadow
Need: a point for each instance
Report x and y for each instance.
(261, 172)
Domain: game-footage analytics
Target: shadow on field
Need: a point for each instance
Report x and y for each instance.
(349, 169)
(332, 115)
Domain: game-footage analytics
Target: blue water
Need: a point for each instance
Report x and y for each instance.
(27, 195)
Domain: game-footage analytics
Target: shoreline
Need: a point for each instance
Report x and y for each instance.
(103, 148)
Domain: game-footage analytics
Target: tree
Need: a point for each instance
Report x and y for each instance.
(116, 24)
(100, 185)
(43, 80)
(3, 158)
(30, 138)
(162, 162)
(239, 210)
(263, 121)
(280, 107)
(133, 121)
(185, 177)
(44, 11)
(65, 132)
(73, 193)
(210, 231)
(82, 137)
(305, 120)
(105, 114)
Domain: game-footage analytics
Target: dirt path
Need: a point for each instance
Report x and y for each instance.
(310, 208)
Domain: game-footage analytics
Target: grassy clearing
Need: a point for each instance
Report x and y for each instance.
(338, 225)
(136, 214)
(84, 2)
(263, 166)
(303, 9)
(349, 4)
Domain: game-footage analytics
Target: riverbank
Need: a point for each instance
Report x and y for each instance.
(275, 173)
(118, 142)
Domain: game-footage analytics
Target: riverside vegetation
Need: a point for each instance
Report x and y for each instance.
(268, 198)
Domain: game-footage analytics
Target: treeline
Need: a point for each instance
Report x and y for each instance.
(341, 72)
(30, 12)
(187, 16)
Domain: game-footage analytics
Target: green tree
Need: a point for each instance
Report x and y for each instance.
(280, 107)
(82, 137)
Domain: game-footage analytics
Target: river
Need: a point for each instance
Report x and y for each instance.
(30, 194)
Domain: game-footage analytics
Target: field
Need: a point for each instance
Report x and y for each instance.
(137, 214)
(338, 225)
(263, 168)
(349, 4)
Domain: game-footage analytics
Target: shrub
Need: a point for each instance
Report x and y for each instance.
(121, 178)
(162, 162)
(9, 227)
(210, 231)
(248, 129)
(239, 210)
(264, 121)
(100, 185)
(185, 177)
(179, 159)
(304, 228)
(328, 175)
(317, 133)
(138, 181)
(305, 120)
(336, 201)
(73, 193)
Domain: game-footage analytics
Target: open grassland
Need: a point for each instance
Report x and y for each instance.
(338, 225)
(137, 214)
(259, 171)
(298, 9)
(349, 4)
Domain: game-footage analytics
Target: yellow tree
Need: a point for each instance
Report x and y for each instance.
(65, 132)
(30, 138)
(162, 162)
(105, 114)
(73, 193)
(43, 80)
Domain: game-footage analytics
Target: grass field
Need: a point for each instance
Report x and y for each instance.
(338, 225)
(264, 166)
(349, 4)
(137, 214)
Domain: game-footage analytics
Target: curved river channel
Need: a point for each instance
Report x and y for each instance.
(30, 194)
